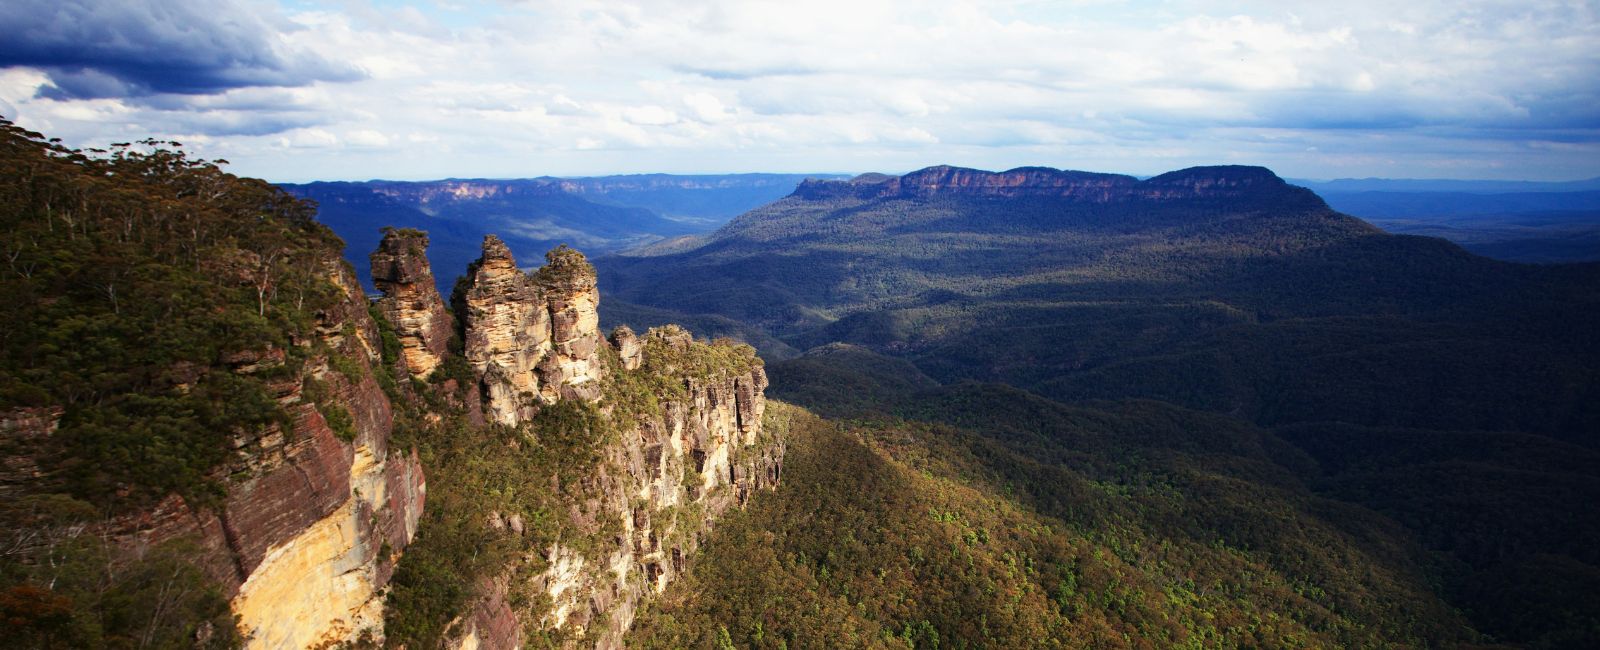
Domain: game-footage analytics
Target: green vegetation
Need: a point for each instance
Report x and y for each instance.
(563, 266)
(63, 586)
(132, 278)
(1271, 306)
(477, 478)
(543, 473)
(894, 533)
(1393, 427)
(157, 308)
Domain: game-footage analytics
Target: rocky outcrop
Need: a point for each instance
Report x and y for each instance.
(316, 532)
(1230, 182)
(410, 300)
(573, 370)
(629, 349)
(507, 334)
(667, 482)
(314, 518)
(532, 339)
(689, 445)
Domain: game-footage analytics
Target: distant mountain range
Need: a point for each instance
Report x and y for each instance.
(1518, 221)
(1013, 409)
(1351, 185)
(598, 215)
(1394, 373)
(657, 213)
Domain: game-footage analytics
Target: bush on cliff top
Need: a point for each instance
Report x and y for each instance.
(129, 277)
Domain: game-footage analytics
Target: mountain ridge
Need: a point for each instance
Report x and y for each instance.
(1194, 182)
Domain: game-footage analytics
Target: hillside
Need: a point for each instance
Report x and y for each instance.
(1029, 408)
(210, 437)
(1428, 387)
(1222, 289)
(1117, 525)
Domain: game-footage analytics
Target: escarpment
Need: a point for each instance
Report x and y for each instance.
(653, 438)
(317, 506)
(1196, 183)
(315, 533)
(210, 437)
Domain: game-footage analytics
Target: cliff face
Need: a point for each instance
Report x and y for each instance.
(320, 529)
(507, 334)
(1088, 187)
(314, 518)
(411, 301)
(666, 481)
(574, 370)
(532, 339)
(688, 444)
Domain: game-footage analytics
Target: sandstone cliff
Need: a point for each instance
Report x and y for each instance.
(316, 513)
(411, 301)
(682, 442)
(1232, 182)
(532, 339)
(333, 514)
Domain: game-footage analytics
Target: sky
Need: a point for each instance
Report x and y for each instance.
(300, 90)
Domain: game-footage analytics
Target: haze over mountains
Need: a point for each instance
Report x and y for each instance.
(653, 213)
(1518, 221)
(600, 214)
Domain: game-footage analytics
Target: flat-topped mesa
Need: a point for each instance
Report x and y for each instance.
(1229, 181)
(410, 300)
(533, 339)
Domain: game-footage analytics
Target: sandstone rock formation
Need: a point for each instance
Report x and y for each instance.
(667, 481)
(314, 518)
(574, 370)
(411, 301)
(532, 339)
(688, 450)
(507, 333)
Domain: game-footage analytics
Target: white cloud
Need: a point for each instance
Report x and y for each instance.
(706, 107)
(309, 139)
(366, 138)
(592, 86)
(649, 115)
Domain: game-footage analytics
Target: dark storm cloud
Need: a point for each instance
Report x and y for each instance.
(132, 48)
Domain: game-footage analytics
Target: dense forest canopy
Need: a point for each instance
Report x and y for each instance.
(136, 280)
(1421, 413)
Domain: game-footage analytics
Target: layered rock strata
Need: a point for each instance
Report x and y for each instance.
(532, 339)
(666, 481)
(1221, 182)
(314, 518)
(410, 300)
(507, 334)
(674, 468)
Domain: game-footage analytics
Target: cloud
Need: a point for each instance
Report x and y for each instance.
(595, 86)
(130, 48)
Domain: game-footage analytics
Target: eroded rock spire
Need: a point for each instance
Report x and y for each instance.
(533, 339)
(410, 301)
